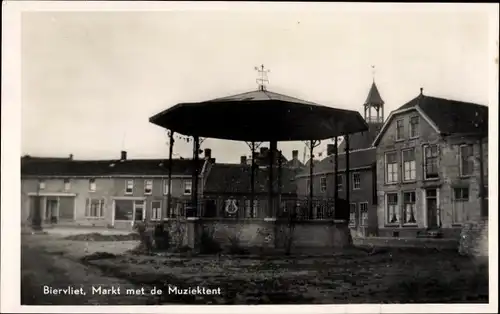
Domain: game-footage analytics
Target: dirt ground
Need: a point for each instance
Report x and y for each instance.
(357, 276)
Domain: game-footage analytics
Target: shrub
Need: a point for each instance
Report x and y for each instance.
(146, 241)
(161, 237)
(208, 244)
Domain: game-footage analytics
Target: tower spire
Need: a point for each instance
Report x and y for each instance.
(262, 78)
(374, 101)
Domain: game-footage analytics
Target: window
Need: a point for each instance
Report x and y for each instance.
(356, 181)
(460, 200)
(409, 165)
(94, 208)
(124, 210)
(188, 186)
(129, 187)
(67, 185)
(392, 208)
(166, 189)
(322, 184)
(409, 208)
(352, 215)
(41, 185)
(363, 211)
(92, 185)
(340, 182)
(156, 210)
(148, 187)
(414, 127)
(466, 162)
(391, 167)
(249, 213)
(431, 162)
(400, 129)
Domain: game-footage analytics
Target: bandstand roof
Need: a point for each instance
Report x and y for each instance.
(260, 116)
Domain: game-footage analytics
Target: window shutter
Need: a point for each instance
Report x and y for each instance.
(87, 207)
(103, 207)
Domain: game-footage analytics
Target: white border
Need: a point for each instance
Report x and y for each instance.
(11, 100)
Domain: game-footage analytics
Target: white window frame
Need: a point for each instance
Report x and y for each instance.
(399, 136)
(185, 185)
(356, 184)
(67, 184)
(361, 212)
(148, 182)
(425, 148)
(404, 208)
(156, 212)
(461, 160)
(394, 168)
(411, 163)
(414, 127)
(322, 184)
(340, 182)
(388, 215)
(460, 204)
(127, 186)
(41, 184)
(92, 185)
(167, 188)
(352, 215)
(100, 209)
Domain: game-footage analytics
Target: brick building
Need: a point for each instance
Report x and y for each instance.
(362, 170)
(103, 193)
(430, 153)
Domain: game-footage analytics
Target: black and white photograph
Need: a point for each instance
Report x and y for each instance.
(249, 154)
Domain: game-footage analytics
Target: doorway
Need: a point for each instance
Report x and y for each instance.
(432, 208)
(139, 211)
(51, 210)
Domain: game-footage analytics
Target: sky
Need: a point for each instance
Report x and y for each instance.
(91, 80)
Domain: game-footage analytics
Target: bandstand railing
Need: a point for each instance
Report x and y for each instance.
(239, 207)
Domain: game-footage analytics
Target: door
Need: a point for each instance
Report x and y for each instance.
(51, 211)
(432, 208)
(139, 214)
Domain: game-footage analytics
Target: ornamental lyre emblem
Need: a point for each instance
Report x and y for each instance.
(231, 206)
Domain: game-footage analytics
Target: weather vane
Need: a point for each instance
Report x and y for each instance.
(262, 77)
(373, 72)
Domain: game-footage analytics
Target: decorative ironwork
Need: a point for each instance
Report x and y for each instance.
(262, 79)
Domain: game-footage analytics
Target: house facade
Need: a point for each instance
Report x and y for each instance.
(429, 154)
(104, 193)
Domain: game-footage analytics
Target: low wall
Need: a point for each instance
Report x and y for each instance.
(474, 239)
(274, 234)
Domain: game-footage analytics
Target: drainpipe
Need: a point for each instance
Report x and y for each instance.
(483, 210)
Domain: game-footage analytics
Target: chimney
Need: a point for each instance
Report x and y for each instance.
(243, 160)
(208, 153)
(295, 154)
(70, 156)
(123, 156)
(330, 149)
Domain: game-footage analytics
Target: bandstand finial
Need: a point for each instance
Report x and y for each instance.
(262, 79)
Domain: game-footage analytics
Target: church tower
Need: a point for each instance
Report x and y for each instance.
(374, 105)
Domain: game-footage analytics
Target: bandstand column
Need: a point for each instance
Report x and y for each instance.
(272, 148)
(170, 155)
(194, 192)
